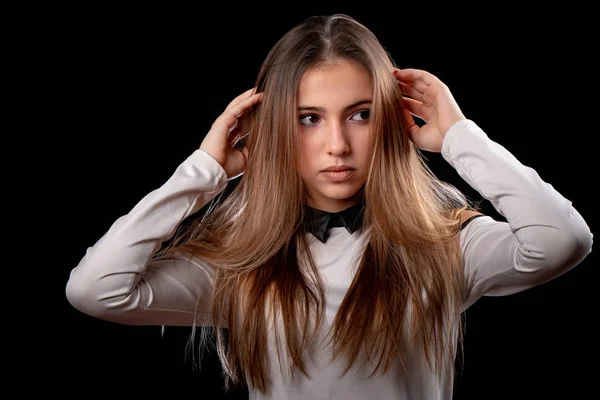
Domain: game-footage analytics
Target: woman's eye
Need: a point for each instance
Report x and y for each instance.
(309, 119)
(364, 115)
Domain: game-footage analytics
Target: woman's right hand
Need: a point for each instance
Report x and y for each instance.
(225, 132)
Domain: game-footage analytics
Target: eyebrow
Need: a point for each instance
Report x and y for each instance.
(321, 109)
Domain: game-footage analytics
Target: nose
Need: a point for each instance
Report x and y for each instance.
(336, 141)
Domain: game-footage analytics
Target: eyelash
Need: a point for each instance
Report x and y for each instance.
(314, 115)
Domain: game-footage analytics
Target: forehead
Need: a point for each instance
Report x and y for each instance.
(335, 85)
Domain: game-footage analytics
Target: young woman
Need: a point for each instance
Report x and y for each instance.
(339, 264)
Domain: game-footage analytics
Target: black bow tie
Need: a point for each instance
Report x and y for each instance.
(320, 221)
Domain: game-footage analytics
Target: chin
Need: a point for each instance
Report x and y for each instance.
(340, 193)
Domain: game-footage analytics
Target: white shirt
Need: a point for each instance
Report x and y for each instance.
(544, 237)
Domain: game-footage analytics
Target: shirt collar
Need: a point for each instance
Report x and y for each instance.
(319, 222)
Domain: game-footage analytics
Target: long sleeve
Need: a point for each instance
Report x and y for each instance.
(117, 279)
(543, 237)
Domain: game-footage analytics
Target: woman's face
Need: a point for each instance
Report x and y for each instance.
(334, 103)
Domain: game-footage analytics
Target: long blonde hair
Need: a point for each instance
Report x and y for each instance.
(409, 275)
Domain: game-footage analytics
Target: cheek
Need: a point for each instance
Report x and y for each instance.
(303, 160)
(306, 152)
(364, 144)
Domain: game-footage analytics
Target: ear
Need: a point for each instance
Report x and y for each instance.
(466, 214)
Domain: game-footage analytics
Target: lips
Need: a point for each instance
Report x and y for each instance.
(338, 168)
(341, 175)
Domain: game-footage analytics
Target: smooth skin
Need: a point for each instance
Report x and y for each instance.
(428, 99)
(334, 129)
(221, 138)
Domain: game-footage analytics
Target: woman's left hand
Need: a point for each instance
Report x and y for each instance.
(430, 100)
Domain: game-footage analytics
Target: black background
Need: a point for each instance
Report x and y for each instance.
(119, 96)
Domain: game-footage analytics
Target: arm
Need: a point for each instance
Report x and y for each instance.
(544, 236)
(117, 281)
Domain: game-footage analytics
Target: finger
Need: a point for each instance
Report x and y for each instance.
(414, 107)
(409, 122)
(226, 121)
(411, 91)
(413, 130)
(235, 131)
(427, 97)
(244, 105)
(230, 117)
(415, 75)
(241, 98)
(419, 85)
